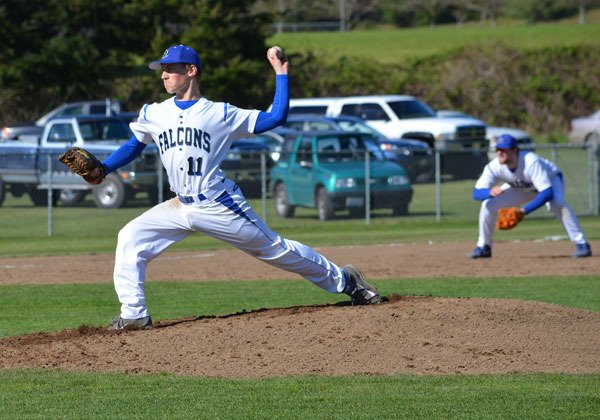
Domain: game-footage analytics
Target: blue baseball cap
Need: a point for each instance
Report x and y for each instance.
(177, 54)
(506, 141)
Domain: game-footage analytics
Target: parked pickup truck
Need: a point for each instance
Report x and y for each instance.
(24, 167)
(326, 170)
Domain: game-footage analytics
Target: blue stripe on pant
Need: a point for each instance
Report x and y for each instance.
(226, 200)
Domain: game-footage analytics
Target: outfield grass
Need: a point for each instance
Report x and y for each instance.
(85, 230)
(35, 394)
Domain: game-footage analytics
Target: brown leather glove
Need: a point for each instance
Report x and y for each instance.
(508, 218)
(84, 163)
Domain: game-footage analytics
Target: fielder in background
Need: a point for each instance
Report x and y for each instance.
(193, 135)
(525, 178)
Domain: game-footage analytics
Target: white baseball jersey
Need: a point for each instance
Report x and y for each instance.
(533, 173)
(193, 142)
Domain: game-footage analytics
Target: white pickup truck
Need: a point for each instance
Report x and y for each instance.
(403, 116)
(25, 167)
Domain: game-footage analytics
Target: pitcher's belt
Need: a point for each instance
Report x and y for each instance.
(191, 199)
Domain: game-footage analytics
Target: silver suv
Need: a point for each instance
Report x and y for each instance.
(106, 107)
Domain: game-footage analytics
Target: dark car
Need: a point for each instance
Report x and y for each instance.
(415, 156)
(17, 131)
(244, 165)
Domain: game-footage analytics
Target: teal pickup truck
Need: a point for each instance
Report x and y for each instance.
(326, 170)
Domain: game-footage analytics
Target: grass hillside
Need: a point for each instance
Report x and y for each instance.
(392, 46)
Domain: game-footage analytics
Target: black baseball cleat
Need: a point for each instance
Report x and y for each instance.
(582, 251)
(481, 252)
(361, 292)
(119, 323)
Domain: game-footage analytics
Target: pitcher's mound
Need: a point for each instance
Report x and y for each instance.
(416, 335)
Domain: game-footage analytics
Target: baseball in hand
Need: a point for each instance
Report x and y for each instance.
(276, 51)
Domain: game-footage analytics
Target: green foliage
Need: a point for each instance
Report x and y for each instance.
(231, 41)
(539, 90)
(57, 51)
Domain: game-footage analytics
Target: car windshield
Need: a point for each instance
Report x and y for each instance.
(358, 127)
(104, 130)
(411, 109)
(347, 148)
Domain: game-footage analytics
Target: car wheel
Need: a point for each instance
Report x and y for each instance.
(110, 194)
(357, 212)
(282, 202)
(400, 209)
(324, 205)
(71, 197)
(40, 197)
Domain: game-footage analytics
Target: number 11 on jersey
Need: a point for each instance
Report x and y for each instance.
(194, 167)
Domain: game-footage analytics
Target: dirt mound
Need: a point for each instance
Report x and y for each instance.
(417, 335)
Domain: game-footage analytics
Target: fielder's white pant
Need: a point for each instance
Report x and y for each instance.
(516, 197)
(226, 216)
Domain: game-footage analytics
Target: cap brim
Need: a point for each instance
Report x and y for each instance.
(155, 65)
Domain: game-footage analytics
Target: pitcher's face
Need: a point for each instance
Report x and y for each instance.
(177, 77)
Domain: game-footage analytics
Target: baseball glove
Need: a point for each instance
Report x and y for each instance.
(508, 218)
(83, 163)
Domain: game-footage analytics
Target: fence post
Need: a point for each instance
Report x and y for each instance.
(49, 160)
(591, 183)
(159, 176)
(263, 184)
(596, 170)
(438, 186)
(367, 188)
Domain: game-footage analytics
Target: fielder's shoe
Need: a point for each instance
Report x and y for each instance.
(361, 292)
(481, 252)
(582, 251)
(119, 323)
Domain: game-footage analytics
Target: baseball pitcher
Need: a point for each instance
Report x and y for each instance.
(193, 135)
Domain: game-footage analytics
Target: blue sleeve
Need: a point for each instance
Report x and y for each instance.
(281, 103)
(123, 155)
(542, 198)
(481, 194)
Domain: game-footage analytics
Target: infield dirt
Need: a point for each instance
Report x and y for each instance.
(418, 335)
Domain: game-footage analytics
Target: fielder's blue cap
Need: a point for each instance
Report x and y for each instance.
(506, 141)
(177, 54)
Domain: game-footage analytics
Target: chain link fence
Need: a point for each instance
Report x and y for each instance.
(442, 184)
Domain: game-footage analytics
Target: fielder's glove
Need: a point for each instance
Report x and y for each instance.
(83, 163)
(508, 218)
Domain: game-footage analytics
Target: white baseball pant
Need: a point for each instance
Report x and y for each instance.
(226, 216)
(488, 214)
